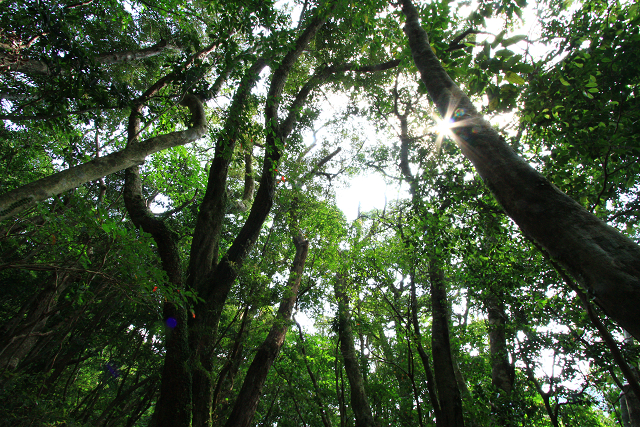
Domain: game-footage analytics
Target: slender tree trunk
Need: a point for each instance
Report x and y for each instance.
(445, 376)
(230, 368)
(501, 371)
(632, 406)
(602, 260)
(424, 357)
(359, 401)
(326, 421)
(249, 396)
(402, 377)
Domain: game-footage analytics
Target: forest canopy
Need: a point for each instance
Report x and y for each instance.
(172, 252)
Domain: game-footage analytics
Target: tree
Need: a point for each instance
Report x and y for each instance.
(604, 260)
(145, 248)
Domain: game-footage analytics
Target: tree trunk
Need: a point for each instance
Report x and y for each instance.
(445, 376)
(249, 396)
(174, 404)
(326, 421)
(424, 357)
(501, 371)
(601, 259)
(405, 391)
(632, 405)
(214, 284)
(359, 401)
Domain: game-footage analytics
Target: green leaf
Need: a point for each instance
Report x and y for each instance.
(514, 78)
(498, 39)
(564, 82)
(505, 53)
(513, 40)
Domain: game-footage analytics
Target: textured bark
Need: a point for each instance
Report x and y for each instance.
(359, 401)
(445, 376)
(204, 249)
(601, 259)
(501, 371)
(632, 406)
(17, 200)
(249, 396)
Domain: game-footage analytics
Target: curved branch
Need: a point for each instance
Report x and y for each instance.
(41, 68)
(28, 195)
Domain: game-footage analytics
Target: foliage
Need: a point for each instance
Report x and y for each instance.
(83, 291)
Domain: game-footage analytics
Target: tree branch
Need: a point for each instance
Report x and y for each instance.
(28, 195)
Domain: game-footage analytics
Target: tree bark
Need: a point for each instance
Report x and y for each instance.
(174, 404)
(501, 371)
(424, 357)
(632, 406)
(359, 401)
(249, 396)
(214, 284)
(445, 376)
(603, 260)
(28, 195)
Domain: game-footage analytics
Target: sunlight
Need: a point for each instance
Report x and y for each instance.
(454, 118)
(443, 128)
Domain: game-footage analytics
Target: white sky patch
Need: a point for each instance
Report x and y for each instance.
(366, 193)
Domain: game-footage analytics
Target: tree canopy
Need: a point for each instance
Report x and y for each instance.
(172, 252)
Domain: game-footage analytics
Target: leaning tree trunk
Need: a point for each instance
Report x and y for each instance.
(359, 401)
(601, 259)
(249, 396)
(28, 195)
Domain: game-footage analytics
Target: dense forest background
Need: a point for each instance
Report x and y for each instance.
(171, 251)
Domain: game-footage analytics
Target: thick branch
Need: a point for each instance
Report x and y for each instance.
(204, 249)
(41, 68)
(17, 200)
